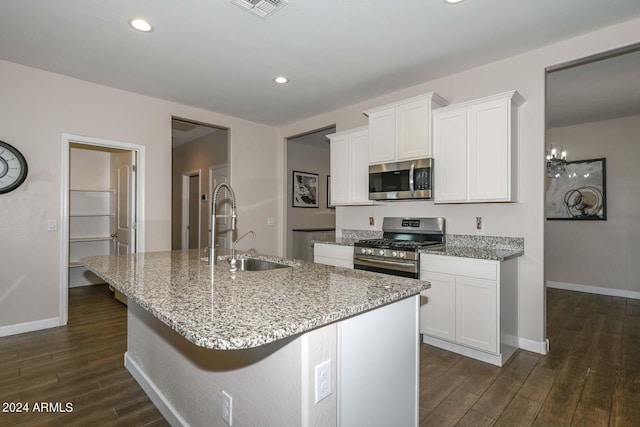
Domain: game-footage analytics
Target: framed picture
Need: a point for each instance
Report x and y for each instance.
(305, 190)
(580, 193)
(329, 205)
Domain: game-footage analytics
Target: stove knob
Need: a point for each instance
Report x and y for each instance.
(394, 254)
(369, 251)
(363, 250)
(381, 252)
(401, 254)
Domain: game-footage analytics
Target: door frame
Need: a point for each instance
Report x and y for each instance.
(184, 220)
(139, 180)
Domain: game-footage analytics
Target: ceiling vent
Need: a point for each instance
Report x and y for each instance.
(261, 8)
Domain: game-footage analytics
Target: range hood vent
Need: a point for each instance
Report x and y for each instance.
(261, 8)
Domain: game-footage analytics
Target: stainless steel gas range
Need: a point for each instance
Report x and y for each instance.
(397, 252)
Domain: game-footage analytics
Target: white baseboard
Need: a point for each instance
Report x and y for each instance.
(593, 289)
(498, 360)
(164, 406)
(36, 325)
(541, 347)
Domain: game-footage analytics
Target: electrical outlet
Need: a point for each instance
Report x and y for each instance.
(271, 221)
(52, 225)
(372, 221)
(227, 407)
(479, 226)
(323, 380)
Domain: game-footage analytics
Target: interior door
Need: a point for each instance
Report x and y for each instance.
(193, 228)
(125, 202)
(217, 175)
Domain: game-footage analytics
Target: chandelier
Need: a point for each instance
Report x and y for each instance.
(556, 161)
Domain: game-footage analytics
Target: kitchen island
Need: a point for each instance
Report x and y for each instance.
(196, 331)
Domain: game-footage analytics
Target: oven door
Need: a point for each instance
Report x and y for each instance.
(401, 180)
(387, 266)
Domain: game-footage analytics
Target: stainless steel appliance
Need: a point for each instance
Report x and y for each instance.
(396, 253)
(411, 179)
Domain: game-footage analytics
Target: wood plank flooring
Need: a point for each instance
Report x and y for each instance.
(591, 377)
(81, 363)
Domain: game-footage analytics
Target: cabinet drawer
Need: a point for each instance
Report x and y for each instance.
(481, 269)
(333, 251)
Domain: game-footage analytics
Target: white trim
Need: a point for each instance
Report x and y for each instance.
(498, 360)
(139, 176)
(534, 346)
(36, 325)
(593, 289)
(162, 403)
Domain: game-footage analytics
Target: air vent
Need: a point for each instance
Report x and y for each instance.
(261, 8)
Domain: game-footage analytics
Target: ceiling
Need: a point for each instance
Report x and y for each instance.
(213, 55)
(599, 90)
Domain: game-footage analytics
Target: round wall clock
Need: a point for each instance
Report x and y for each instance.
(13, 168)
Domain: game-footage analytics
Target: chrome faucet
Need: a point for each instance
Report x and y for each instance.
(213, 255)
(232, 262)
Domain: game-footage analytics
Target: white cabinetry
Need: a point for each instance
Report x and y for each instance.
(402, 130)
(471, 307)
(475, 150)
(350, 167)
(91, 223)
(336, 255)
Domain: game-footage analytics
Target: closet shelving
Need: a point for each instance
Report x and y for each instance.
(91, 223)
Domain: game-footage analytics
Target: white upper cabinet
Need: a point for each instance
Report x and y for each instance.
(350, 167)
(475, 150)
(402, 130)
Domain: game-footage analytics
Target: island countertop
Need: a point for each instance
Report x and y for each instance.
(217, 310)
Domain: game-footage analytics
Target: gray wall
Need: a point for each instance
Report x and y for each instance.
(600, 253)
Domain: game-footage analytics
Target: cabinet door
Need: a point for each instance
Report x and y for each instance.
(359, 166)
(382, 136)
(477, 313)
(438, 312)
(413, 130)
(450, 155)
(490, 151)
(339, 153)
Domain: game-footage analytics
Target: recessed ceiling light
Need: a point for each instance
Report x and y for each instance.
(281, 80)
(452, 1)
(141, 25)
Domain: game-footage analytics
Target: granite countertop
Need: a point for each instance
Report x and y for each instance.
(478, 247)
(217, 310)
(494, 254)
(341, 241)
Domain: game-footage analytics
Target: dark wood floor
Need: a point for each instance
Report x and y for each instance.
(81, 363)
(591, 377)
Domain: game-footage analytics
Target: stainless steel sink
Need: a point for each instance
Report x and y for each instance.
(253, 264)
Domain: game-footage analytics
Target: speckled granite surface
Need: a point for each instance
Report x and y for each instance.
(213, 309)
(361, 234)
(474, 252)
(459, 245)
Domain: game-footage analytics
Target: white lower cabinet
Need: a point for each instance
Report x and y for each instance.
(330, 254)
(471, 307)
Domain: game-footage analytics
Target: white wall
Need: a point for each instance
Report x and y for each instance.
(36, 108)
(525, 73)
(600, 253)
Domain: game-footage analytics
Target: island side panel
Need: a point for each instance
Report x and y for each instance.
(264, 382)
(378, 373)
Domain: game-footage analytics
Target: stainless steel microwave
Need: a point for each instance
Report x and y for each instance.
(411, 179)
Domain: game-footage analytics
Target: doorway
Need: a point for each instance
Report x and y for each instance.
(191, 189)
(102, 206)
(593, 112)
(309, 154)
(197, 149)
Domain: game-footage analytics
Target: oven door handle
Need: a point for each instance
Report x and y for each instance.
(383, 261)
(411, 172)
